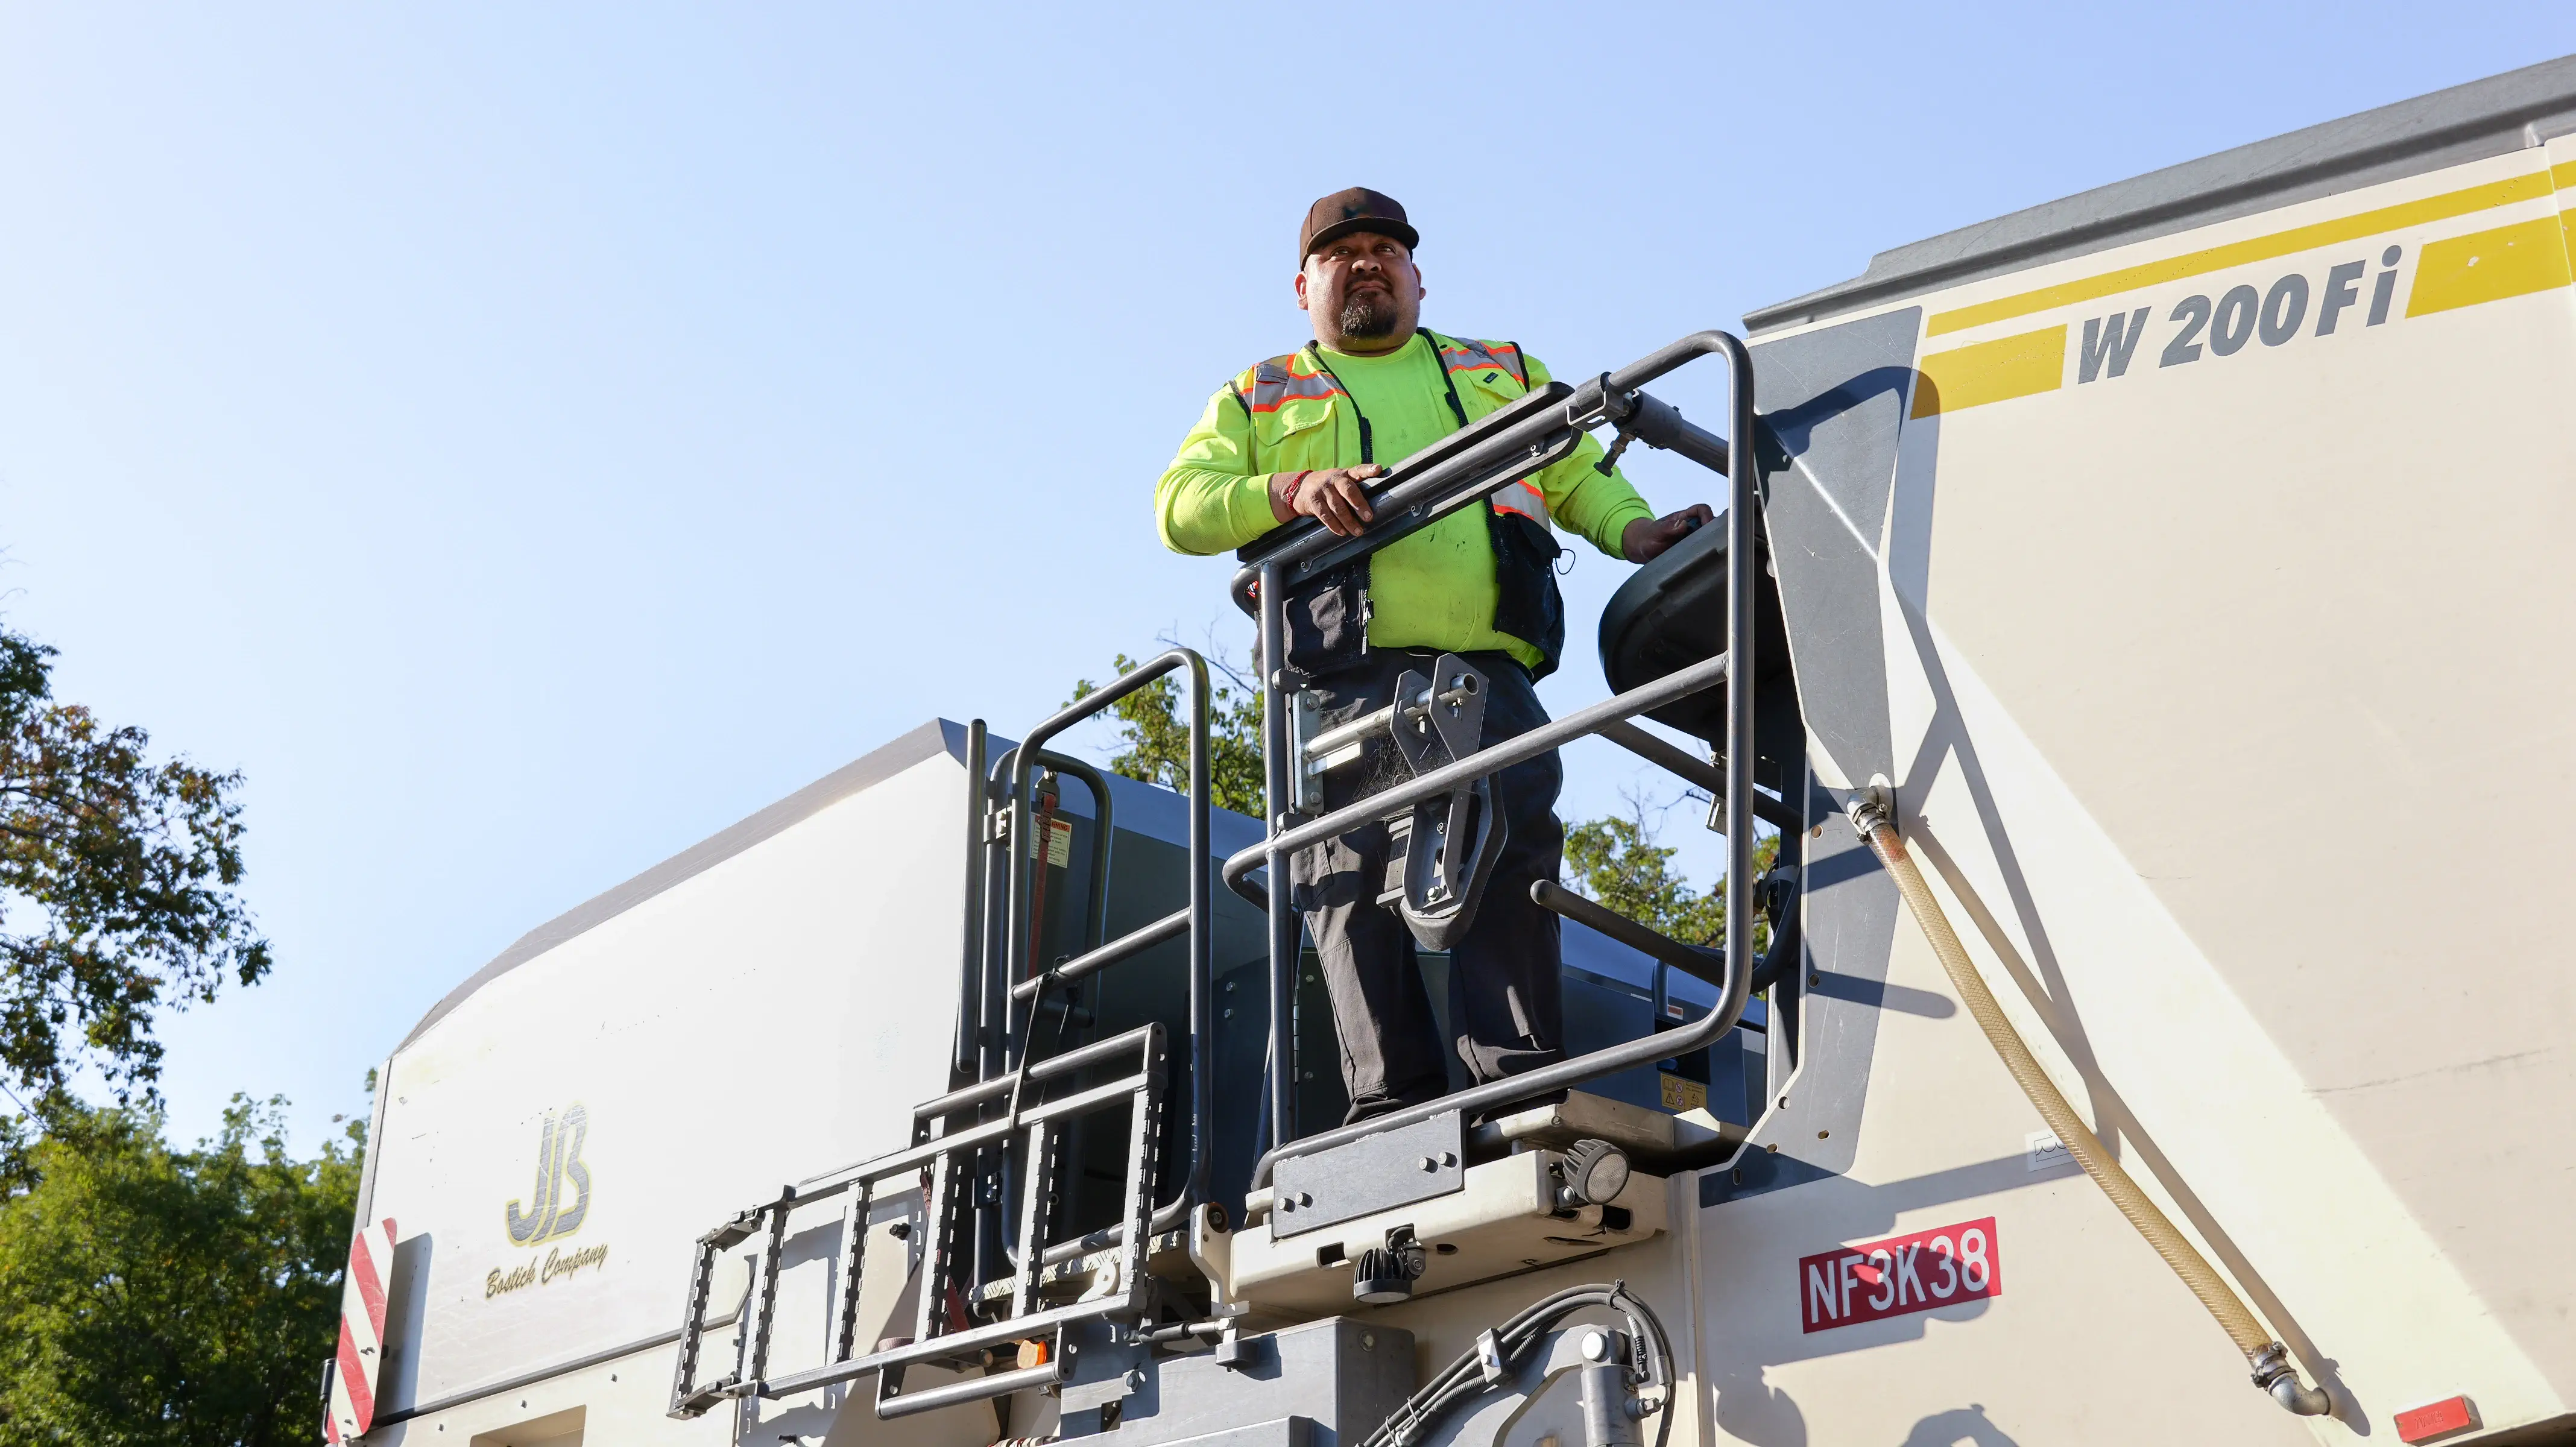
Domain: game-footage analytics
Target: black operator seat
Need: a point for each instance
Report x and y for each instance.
(1671, 614)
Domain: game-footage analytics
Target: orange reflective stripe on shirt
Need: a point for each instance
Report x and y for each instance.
(1523, 497)
(1277, 381)
(1461, 354)
(1464, 355)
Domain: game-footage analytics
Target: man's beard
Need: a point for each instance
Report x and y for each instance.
(1369, 316)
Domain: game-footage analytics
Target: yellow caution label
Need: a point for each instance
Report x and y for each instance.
(1682, 1093)
(2015, 366)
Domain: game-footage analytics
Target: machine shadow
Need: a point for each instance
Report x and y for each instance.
(1750, 1409)
(1792, 425)
(1960, 1425)
(2040, 978)
(1904, 999)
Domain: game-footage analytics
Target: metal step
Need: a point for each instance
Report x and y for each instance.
(1656, 1141)
(1506, 1216)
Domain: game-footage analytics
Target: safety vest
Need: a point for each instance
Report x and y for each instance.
(1302, 420)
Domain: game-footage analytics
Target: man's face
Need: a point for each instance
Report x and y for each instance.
(1363, 291)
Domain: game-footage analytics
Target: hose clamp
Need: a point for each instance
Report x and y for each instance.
(2277, 1379)
(2270, 1365)
(1871, 808)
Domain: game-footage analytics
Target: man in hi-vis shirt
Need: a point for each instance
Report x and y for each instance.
(1297, 436)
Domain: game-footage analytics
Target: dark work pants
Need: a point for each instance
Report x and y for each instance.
(1506, 998)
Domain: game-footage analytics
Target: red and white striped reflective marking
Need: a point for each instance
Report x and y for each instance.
(1921, 1272)
(362, 1334)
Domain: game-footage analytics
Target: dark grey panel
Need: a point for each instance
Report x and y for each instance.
(1339, 1378)
(1829, 592)
(1849, 908)
(2484, 118)
(869, 769)
(1833, 401)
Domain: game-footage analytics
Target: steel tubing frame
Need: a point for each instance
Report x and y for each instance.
(1779, 813)
(1003, 1031)
(1197, 919)
(1707, 673)
(988, 1048)
(1083, 966)
(1517, 440)
(1143, 1087)
(1603, 399)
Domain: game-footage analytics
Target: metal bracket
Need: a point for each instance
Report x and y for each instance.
(1439, 856)
(1306, 775)
(1440, 719)
(1374, 1173)
(1434, 719)
(1441, 852)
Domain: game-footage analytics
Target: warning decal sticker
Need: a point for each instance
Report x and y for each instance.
(1921, 1272)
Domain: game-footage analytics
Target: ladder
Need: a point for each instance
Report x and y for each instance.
(1007, 1118)
(945, 1159)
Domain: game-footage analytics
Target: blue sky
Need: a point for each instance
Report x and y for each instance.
(527, 439)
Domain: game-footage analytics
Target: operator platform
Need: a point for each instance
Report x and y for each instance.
(1299, 436)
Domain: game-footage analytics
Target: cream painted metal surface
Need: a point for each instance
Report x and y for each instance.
(730, 1028)
(2230, 706)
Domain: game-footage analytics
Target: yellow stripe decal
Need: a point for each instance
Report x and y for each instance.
(1993, 371)
(2563, 175)
(2525, 187)
(2527, 256)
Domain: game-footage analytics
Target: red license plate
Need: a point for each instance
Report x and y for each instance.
(1921, 1272)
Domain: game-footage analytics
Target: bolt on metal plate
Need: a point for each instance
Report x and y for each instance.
(1374, 1173)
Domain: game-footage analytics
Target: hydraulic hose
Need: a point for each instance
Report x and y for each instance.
(2269, 1360)
(1464, 1379)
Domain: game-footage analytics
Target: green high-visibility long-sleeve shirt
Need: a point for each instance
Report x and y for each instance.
(1435, 589)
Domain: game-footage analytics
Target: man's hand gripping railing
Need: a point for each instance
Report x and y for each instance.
(1528, 436)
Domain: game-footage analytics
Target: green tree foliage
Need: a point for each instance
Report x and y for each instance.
(117, 881)
(1618, 863)
(1156, 735)
(160, 1298)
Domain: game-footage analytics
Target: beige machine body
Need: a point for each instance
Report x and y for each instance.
(2220, 607)
(2189, 560)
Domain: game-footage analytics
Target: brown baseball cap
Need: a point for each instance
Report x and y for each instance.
(1357, 209)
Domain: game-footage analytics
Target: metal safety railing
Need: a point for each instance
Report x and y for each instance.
(1526, 437)
(943, 1158)
(1013, 1004)
(990, 1152)
(993, 1148)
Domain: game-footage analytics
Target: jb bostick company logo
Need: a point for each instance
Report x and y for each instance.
(556, 1207)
